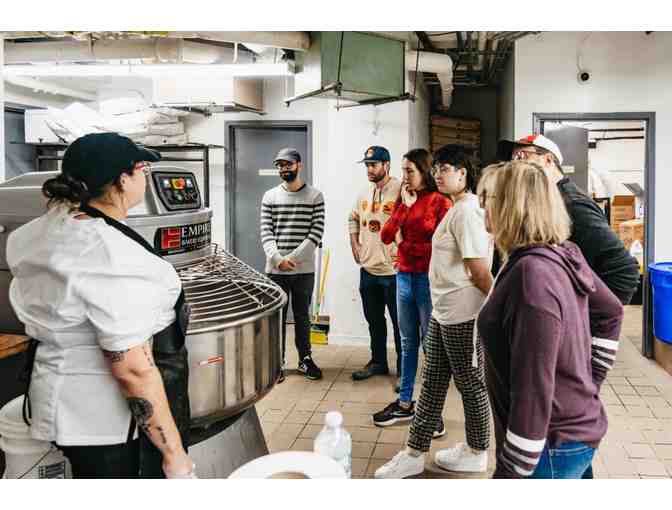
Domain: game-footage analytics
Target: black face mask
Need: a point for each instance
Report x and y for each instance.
(288, 176)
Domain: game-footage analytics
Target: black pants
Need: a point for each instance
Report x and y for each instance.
(299, 289)
(377, 293)
(107, 461)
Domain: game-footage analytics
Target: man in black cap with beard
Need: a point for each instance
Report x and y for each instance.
(292, 224)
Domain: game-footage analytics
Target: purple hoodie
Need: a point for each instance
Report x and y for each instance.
(550, 331)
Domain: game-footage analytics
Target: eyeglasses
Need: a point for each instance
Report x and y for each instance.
(441, 169)
(521, 155)
(483, 198)
(144, 166)
(281, 165)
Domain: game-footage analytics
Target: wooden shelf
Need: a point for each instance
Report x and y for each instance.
(12, 344)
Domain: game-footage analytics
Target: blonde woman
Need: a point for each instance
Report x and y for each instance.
(550, 332)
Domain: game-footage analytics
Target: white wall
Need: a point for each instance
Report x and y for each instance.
(339, 140)
(623, 159)
(631, 72)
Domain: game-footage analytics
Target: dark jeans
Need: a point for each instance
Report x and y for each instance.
(299, 290)
(107, 461)
(569, 460)
(377, 293)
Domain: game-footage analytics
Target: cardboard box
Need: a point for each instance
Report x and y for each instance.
(630, 231)
(622, 209)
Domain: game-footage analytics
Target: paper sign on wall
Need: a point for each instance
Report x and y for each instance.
(568, 169)
(268, 172)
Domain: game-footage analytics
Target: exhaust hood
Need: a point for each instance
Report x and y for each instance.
(353, 66)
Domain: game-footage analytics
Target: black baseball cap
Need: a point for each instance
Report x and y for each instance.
(375, 154)
(288, 154)
(98, 159)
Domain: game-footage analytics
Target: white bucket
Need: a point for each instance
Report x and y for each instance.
(291, 465)
(26, 457)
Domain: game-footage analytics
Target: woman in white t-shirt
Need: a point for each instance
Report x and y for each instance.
(460, 280)
(93, 298)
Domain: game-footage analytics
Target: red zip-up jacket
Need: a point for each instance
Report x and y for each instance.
(417, 225)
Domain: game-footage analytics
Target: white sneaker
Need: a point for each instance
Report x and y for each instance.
(462, 458)
(402, 465)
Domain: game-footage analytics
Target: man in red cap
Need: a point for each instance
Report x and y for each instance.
(602, 248)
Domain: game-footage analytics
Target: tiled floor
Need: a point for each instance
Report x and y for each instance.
(637, 395)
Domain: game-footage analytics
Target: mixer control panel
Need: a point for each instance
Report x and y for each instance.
(177, 191)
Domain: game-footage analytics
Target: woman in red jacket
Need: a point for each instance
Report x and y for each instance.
(418, 211)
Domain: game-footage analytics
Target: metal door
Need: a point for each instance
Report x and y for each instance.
(573, 143)
(19, 156)
(252, 149)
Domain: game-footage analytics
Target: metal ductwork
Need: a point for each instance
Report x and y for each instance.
(438, 63)
(297, 41)
(158, 50)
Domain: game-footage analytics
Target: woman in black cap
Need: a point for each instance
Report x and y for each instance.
(107, 317)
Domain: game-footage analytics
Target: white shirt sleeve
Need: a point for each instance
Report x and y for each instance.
(123, 299)
(469, 231)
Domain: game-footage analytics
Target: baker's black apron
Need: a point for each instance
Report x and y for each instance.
(170, 357)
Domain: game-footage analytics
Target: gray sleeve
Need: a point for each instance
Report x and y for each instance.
(267, 232)
(314, 238)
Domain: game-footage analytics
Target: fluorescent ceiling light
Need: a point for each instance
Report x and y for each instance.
(152, 70)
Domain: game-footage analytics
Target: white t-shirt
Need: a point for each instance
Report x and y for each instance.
(80, 286)
(460, 235)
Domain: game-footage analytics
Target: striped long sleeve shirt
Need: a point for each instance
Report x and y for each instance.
(292, 225)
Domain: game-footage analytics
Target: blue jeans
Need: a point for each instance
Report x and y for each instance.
(569, 460)
(414, 307)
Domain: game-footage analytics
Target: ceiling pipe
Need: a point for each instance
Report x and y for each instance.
(297, 41)
(49, 88)
(158, 49)
(440, 64)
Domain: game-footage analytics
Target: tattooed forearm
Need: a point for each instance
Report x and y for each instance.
(163, 435)
(114, 356)
(142, 410)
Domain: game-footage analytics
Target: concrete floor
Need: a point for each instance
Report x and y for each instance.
(637, 396)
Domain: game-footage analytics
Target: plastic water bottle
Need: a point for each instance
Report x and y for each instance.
(335, 442)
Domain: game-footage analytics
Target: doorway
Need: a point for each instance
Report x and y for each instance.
(250, 173)
(613, 155)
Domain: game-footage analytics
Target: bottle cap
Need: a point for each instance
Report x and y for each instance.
(333, 419)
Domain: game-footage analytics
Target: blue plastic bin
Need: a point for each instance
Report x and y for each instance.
(661, 283)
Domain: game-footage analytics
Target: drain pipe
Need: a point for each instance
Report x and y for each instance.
(438, 63)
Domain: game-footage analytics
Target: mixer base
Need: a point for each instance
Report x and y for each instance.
(223, 453)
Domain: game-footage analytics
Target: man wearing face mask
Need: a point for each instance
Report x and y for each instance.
(292, 224)
(377, 284)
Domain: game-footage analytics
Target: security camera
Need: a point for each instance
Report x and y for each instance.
(583, 77)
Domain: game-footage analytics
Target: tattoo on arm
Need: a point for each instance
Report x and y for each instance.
(142, 410)
(114, 356)
(163, 435)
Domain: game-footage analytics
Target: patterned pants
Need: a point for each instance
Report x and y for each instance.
(448, 352)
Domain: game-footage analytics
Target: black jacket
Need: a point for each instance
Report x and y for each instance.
(601, 247)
